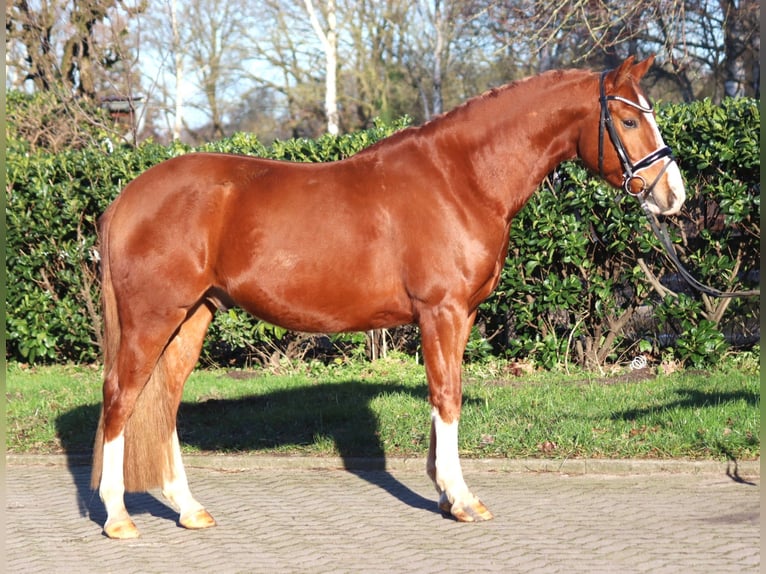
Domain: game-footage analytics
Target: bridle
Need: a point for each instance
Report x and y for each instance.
(629, 169)
(630, 175)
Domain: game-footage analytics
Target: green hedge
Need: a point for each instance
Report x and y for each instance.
(572, 289)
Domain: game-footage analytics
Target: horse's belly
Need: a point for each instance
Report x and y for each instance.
(308, 316)
(331, 305)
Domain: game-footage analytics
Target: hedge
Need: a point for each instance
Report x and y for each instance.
(575, 288)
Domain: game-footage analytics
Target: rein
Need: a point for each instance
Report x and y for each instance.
(630, 174)
(661, 232)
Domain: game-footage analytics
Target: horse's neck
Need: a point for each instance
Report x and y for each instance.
(519, 135)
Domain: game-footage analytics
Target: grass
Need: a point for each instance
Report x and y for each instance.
(381, 409)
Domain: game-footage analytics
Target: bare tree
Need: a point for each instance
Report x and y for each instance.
(193, 55)
(78, 56)
(30, 43)
(696, 40)
(165, 62)
(178, 69)
(328, 36)
(333, 65)
(72, 46)
(214, 32)
(285, 56)
(741, 26)
(447, 46)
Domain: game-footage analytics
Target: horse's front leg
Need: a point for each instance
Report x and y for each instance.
(444, 333)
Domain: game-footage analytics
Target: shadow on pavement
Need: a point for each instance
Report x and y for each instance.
(338, 411)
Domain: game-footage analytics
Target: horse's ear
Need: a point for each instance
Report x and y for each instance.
(629, 69)
(639, 70)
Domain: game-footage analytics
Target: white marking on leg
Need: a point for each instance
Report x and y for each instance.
(176, 485)
(449, 475)
(112, 486)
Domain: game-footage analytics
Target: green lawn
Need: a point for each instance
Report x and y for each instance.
(380, 408)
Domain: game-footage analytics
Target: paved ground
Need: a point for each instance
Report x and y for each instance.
(308, 516)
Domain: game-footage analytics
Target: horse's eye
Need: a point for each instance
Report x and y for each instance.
(630, 123)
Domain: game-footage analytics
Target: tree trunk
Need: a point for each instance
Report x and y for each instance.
(741, 47)
(329, 41)
(179, 72)
(439, 25)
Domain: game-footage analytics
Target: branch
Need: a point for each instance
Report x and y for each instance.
(715, 307)
(654, 282)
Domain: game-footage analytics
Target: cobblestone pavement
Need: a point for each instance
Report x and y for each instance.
(308, 517)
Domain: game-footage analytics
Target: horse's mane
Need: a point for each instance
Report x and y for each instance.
(466, 108)
(498, 91)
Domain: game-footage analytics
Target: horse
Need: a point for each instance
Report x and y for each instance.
(412, 230)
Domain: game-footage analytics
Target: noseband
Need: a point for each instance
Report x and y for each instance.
(629, 169)
(630, 174)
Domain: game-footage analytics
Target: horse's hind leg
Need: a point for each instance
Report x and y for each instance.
(142, 393)
(181, 356)
(112, 490)
(133, 421)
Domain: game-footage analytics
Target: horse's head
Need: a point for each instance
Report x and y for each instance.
(622, 143)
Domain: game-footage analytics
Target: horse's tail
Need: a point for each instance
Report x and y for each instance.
(110, 340)
(148, 430)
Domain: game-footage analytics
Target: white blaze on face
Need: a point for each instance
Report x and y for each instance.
(672, 174)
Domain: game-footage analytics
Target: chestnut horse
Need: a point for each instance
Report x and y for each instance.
(411, 230)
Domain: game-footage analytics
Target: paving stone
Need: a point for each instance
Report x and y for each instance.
(303, 520)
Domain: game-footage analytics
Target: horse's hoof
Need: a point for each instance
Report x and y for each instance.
(466, 512)
(197, 520)
(121, 529)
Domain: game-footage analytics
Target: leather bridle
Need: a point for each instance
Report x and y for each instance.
(630, 170)
(630, 175)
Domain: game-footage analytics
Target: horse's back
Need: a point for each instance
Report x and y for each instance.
(300, 245)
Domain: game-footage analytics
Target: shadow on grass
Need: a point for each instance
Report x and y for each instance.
(692, 399)
(340, 412)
